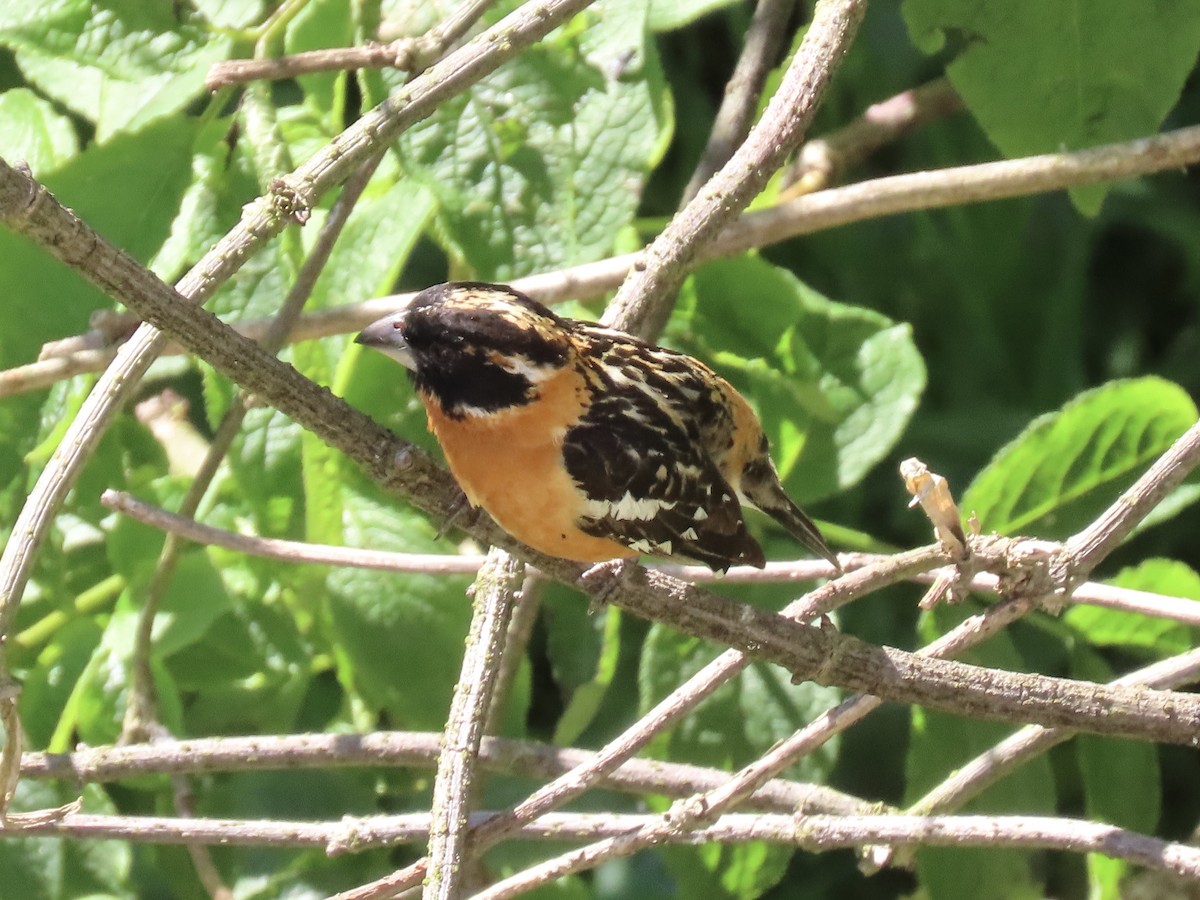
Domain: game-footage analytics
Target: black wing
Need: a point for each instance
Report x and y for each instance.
(652, 488)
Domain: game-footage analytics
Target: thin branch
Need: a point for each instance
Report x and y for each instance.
(407, 54)
(495, 591)
(823, 833)
(865, 200)
(643, 301)
(1086, 550)
(505, 756)
(356, 834)
(823, 160)
(806, 652)
(1161, 606)
(815, 833)
(695, 812)
(765, 38)
(970, 780)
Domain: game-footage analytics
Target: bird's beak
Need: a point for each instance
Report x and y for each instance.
(386, 336)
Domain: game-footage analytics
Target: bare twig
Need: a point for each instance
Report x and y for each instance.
(353, 835)
(805, 215)
(642, 303)
(695, 812)
(816, 833)
(665, 713)
(409, 54)
(416, 750)
(971, 779)
(822, 833)
(1162, 606)
(1086, 550)
(765, 38)
(495, 591)
(823, 160)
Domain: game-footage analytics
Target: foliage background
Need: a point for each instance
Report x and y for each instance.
(942, 335)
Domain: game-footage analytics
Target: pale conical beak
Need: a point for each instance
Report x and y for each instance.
(385, 336)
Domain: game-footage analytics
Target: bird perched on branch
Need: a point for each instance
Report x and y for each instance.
(582, 441)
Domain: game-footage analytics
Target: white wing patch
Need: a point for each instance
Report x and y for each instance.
(629, 509)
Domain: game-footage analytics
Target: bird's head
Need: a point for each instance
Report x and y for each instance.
(474, 348)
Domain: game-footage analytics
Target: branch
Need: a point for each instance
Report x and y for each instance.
(823, 833)
(140, 711)
(665, 713)
(407, 54)
(695, 812)
(1162, 606)
(823, 160)
(817, 833)
(815, 212)
(414, 750)
(970, 780)
(765, 38)
(643, 300)
(495, 593)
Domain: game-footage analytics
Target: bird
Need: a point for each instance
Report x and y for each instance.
(582, 441)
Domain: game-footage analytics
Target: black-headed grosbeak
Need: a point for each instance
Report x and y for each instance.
(584, 442)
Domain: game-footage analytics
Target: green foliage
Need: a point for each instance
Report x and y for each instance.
(1067, 466)
(834, 384)
(541, 164)
(1089, 65)
(1038, 357)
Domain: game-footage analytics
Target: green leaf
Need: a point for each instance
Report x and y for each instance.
(33, 867)
(563, 646)
(667, 15)
(1106, 877)
(116, 63)
(376, 242)
(34, 132)
(1068, 465)
(398, 638)
(1042, 77)
(265, 462)
(249, 672)
(127, 190)
(49, 684)
(96, 868)
(1102, 627)
(220, 187)
(539, 165)
(320, 25)
(230, 13)
(835, 385)
(727, 871)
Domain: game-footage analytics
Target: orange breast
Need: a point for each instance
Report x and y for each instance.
(510, 463)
